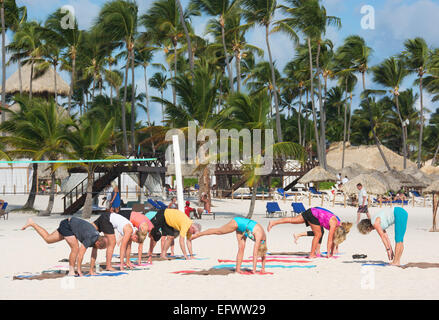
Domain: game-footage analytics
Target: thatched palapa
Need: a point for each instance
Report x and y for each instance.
(370, 183)
(44, 84)
(318, 174)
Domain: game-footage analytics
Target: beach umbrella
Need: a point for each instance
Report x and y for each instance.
(419, 175)
(389, 181)
(406, 179)
(434, 189)
(369, 182)
(317, 174)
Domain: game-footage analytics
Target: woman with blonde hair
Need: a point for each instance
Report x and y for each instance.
(319, 219)
(381, 222)
(245, 228)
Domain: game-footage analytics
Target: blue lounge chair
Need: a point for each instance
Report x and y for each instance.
(154, 204)
(3, 212)
(298, 208)
(314, 191)
(162, 205)
(282, 192)
(273, 208)
(416, 194)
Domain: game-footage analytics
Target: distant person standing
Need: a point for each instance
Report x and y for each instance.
(173, 204)
(345, 180)
(206, 206)
(362, 202)
(115, 199)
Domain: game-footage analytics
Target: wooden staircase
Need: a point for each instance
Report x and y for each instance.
(75, 199)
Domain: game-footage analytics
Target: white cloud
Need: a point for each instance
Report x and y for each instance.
(402, 21)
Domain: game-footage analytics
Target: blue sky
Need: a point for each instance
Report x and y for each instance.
(396, 21)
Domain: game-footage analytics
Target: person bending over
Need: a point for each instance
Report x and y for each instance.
(144, 227)
(244, 228)
(381, 222)
(177, 220)
(73, 230)
(317, 218)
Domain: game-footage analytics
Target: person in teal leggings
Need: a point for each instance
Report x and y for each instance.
(244, 228)
(381, 222)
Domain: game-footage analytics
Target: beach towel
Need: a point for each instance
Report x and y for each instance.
(54, 274)
(269, 260)
(267, 266)
(218, 272)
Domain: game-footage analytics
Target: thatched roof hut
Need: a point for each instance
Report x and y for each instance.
(369, 182)
(433, 188)
(45, 171)
(406, 179)
(317, 174)
(43, 85)
(389, 181)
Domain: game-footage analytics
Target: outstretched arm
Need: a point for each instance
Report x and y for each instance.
(139, 254)
(80, 257)
(384, 239)
(189, 247)
(94, 253)
(183, 247)
(255, 254)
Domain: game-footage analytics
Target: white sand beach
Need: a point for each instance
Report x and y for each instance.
(341, 278)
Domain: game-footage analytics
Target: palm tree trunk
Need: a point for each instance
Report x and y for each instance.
(226, 55)
(299, 116)
(377, 142)
(33, 190)
(133, 104)
(55, 84)
(148, 113)
(252, 201)
(124, 124)
(31, 79)
(188, 38)
(421, 116)
(20, 77)
(87, 211)
(238, 70)
(350, 117)
(322, 110)
(111, 95)
(51, 197)
(344, 125)
(404, 143)
(273, 79)
(163, 109)
(314, 113)
(3, 60)
(72, 82)
(174, 92)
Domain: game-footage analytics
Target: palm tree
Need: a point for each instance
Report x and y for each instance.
(358, 54)
(159, 81)
(34, 131)
(52, 57)
(261, 12)
(253, 112)
(416, 57)
(390, 74)
(90, 141)
(114, 80)
(310, 18)
(143, 58)
(64, 38)
(118, 19)
(188, 37)
(30, 38)
(221, 9)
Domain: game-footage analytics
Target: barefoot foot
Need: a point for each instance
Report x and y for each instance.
(29, 223)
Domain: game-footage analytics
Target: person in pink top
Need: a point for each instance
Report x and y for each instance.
(319, 219)
(144, 227)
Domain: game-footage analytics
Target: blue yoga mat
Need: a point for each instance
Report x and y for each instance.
(110, 274)
(224, 266)
(376, 264)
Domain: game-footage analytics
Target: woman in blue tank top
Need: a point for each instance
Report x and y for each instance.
(115, 199)
(244, 228)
